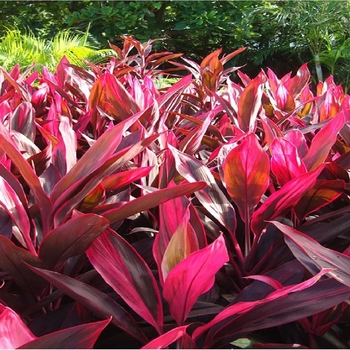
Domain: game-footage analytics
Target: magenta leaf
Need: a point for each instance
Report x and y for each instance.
(285, 199)
(285, 162)
(78, 337)
(127, 273)
(314, 256)
(323, 141)
(192, 277)
(93, 299)
(164, 340)
(284, 305)
(70, 239)
(13, 331)
(22, 120)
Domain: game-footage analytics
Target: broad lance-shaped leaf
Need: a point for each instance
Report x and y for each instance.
(323, 193)
(249, 103)
(285, 162)
(282, 201)
(164, 340)
(94, 300)
(70, 239)
(128, 274)
(79, 337)
(246, 175)
(285, 305)
(323, 141)
(44, 203)
(212, 198)
(13, 331)
(192, 277)
(314, 256)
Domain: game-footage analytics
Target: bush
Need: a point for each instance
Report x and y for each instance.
(207, 213)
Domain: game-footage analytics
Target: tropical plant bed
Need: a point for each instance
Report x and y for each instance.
(205, 214)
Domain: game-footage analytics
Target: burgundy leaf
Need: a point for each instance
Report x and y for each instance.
(164, 340)
(127, 273)
(151, 200)
(285, 305)
(192, 277)
(22, 120)
(78, 337)
(285, 199)
(70, 239)
(94, 300)
(314, 256)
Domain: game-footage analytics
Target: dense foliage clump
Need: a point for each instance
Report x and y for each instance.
(202, 214)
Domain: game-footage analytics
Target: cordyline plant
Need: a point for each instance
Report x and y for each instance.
(200, 215)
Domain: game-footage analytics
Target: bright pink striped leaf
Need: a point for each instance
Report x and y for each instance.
(126, 272)
(296, 137)
(70, 239)
(164, 340)
(284, 305)
(249, 103)
(192, 277)
(314, 256)
(246, 175)
(79, 337)
(13, 331)
(284, 99)
(323, 141)
(22, 120)
(296, 84)
(285, 162)
(285, 199)
(323, 193)
(93, 299)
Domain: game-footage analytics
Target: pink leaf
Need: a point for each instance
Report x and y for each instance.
(13, 331)
(323, 141)
(192, 277)
(127, 273)
(285, 162)
(164, 340)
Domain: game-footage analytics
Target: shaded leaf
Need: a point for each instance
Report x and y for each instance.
(164, 340)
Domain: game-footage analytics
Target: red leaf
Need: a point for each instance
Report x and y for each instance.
(249, 103)
(314, 256)
(13, 331)
(285, 162)
(167, 338)
(94, 300)
(127, 273)
(323, 141)
(283, 200)
(192, 277)
(246, 174)
(22, 120)
(296, 84)
(323, 193)
(78, 337)
(70, 239)
(284, 99)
